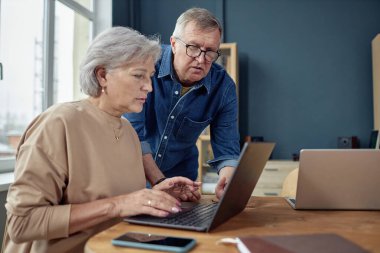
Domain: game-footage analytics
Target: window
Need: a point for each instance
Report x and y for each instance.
(21, 83)
(73, 33)
(41, 45)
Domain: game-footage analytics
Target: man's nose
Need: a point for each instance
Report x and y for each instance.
(202, 57)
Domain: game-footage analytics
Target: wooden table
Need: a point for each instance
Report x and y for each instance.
(262, 216)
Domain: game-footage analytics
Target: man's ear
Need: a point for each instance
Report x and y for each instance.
(100, 73)
(172, 43)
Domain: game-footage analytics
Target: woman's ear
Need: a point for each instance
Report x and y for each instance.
(100, 73)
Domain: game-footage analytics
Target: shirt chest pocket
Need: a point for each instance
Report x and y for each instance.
(189, 130)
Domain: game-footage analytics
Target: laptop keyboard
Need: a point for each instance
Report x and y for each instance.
(196, 216)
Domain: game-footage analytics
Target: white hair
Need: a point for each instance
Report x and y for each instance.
(203, 19)
(112, 48)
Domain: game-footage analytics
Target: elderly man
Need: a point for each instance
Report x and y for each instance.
(190, 92)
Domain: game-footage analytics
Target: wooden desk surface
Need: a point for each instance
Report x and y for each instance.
(263, 216)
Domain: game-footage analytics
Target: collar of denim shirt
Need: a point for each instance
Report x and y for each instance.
(166, 68)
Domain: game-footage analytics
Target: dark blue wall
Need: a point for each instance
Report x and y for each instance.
(305, 73)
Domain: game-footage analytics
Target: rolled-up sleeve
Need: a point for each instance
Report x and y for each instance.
(220, 163)
(145, 147)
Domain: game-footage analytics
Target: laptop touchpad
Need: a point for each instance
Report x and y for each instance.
(185, 206)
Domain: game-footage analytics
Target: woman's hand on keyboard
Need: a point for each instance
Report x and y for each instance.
(146, 201)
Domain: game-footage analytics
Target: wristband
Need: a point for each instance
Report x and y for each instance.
(159, 180)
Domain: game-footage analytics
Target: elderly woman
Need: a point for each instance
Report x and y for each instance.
(79, 164)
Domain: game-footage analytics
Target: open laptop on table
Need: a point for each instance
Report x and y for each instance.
(204, 217)
(344, 179)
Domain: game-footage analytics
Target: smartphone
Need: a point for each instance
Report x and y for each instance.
(154, 242)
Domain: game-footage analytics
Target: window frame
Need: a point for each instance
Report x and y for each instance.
(101, 17)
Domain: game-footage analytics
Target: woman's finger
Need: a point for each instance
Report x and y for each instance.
(161, 203)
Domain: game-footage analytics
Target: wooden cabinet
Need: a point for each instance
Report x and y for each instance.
(205, 154)
(272, 178)
(376, 81)
(229, 60)
(269, 184)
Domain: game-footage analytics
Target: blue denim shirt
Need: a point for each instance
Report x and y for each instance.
(170, 125)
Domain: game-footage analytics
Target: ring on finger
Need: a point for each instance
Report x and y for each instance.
(149, 203)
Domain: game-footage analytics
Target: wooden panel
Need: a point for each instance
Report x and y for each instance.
(376, 81)
(229, 59)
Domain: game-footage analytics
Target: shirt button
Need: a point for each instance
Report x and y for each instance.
(172, 117)
(159, 155)
(176, 92)
(165, 137)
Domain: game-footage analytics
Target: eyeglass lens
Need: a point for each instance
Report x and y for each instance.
(194, 51)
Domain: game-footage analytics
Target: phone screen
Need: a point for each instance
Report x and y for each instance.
(152, 241)
(155, 239)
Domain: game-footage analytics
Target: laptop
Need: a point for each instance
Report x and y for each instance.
(341, 179)
(205, 217)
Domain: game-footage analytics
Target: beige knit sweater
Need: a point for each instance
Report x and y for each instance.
(71, 153)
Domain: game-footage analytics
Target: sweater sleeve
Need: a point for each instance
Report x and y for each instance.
(34, 205)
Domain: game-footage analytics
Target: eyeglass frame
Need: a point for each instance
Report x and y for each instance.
(200, 51)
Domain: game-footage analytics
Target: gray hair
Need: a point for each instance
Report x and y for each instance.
(203, 19)
(110, 49)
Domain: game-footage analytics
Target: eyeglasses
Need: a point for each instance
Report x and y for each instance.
(195, 51)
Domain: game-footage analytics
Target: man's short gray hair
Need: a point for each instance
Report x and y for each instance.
(203, 19)
(112, 48)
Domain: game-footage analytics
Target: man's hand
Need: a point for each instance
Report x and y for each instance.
(225, 175)
(181, 188)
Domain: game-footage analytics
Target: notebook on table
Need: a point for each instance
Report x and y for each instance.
(301, 243)
(205, 217)
(342, 179)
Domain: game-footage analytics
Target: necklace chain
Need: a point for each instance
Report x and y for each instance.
(117, 131)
